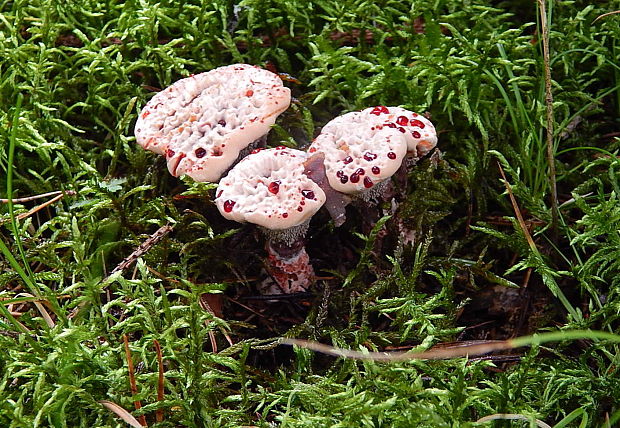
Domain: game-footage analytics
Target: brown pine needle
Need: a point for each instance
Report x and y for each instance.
(517, 211)
(132, 380)
(46, 316)
(121, 413)
(59, 196)
(606, 15)
(433, 354)
(42, 195)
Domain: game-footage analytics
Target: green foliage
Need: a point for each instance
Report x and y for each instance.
(408, 273)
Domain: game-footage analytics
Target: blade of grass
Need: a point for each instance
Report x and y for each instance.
(27, 274)
(9, 188)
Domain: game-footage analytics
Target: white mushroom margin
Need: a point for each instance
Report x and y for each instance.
(202, 123)
(269, 188)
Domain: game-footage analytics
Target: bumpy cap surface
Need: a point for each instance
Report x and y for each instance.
(419, 131)
(359, 152)
(202, 122)
(269, 188)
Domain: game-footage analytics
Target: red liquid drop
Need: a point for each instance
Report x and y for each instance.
(416, 122)
(391, 155)
(368, 182)
(249, 93)
(274, 187)
(228, 206)
(379, 109)
(376, 170)
(308, 194)
(344, 179)
(416, 134)
(355, 178)
(300, 209)
(370, 156)
(360, 171)
(221, 122)
(390, 125)
(169, 153)
(347, 160)
(285, 215)
(200, 152)
(402, 121)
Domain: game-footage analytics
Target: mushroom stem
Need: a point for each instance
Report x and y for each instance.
(289, 268)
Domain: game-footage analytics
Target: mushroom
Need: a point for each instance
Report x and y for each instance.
(202, 123)
(360, 153)
(418, 130)
(270, 188)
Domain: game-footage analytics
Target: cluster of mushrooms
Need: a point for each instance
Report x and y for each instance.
(213, 126)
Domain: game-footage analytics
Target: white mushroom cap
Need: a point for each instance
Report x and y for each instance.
(359, 152)
(269, 188)
(419, 131)
(202, 122)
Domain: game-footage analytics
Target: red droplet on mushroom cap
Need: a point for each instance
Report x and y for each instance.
(169, 153)
(391, 155)
(370, 156)
(379, 110)
(274, 187)
(416, 134)
(200, 152)
(376, 170)
(355, 178)
(228, 206)
(308, 194)
(368, 182)
(416, 122)
(402, 120)
(347, 160)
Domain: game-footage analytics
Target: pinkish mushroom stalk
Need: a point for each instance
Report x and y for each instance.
(202, 123)
(271, 189)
